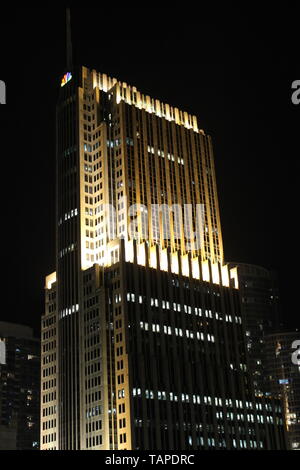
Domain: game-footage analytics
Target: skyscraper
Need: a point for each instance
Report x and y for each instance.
(283, 371)
(142, 337)
(19, 388)
(260, 310)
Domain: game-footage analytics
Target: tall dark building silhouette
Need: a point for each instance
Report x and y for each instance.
(283, 372)
(19, 388)
(143, 344)
(260, 310)
(270, 348)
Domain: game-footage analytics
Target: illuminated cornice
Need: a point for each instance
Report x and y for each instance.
(130, 95)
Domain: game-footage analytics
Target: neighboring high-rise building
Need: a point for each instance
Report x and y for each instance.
(142, 337)
(260, 310)
(283, 369)
(19, 388)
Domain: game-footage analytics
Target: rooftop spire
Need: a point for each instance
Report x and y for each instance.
(69, 41)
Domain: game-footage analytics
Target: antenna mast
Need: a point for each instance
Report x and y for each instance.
(69, 42)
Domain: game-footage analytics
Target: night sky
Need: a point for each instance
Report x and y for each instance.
(233, 69)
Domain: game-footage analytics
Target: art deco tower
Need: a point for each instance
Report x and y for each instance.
(142, 337)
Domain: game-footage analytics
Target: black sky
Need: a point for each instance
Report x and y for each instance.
(232, 68)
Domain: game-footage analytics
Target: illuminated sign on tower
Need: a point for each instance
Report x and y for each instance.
(66, 79)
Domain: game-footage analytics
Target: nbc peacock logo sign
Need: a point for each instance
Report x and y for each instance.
(66, 79)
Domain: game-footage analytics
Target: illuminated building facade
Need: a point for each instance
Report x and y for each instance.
(283, 369)
(142, 337)
(19, 388)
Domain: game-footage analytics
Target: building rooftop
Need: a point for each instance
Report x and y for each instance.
(15, 331)
(130, 95)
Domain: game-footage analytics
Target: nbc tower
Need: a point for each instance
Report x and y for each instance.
(142, 337)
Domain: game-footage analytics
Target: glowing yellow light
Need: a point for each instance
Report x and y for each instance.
(215, 273)
(153, 258)
(185, 265)
(205, 271)
(50, 280)
(163, 260)
(234, 276)
(195, 268)
(141, 254)
(129, 253)
(124, 91)
(225, 275)
(175, 264)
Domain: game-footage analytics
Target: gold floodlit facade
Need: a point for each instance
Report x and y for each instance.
(139, 237)
(160, 158)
